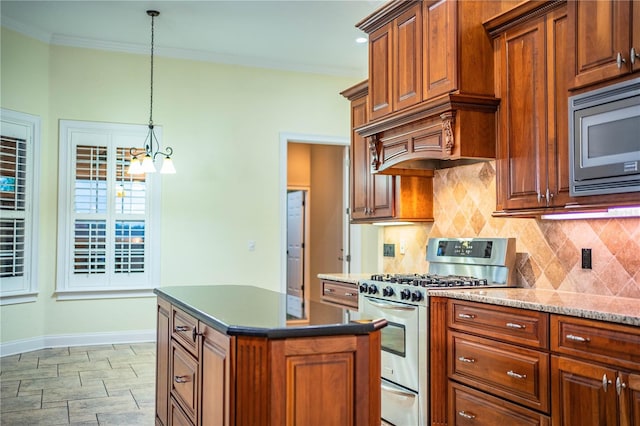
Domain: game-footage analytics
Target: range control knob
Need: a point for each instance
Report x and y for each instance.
(416, 296)
(373, 289)
(363, 288)
(405, 294)
(387, 291)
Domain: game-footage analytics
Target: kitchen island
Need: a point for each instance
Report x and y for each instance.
(227, 356)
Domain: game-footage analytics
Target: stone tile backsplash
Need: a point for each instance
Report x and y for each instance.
(548, 251)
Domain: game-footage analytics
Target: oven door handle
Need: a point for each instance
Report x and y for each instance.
(400, 392)
(391, 306)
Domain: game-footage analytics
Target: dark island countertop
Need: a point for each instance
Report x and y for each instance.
(254, 311)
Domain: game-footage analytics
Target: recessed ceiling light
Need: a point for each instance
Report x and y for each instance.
(361, 40)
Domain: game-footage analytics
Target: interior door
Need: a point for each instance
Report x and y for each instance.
(295, 253)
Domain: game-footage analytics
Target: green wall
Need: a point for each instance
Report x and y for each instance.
(223, 123)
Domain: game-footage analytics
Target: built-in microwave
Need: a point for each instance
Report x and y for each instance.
(604, 140)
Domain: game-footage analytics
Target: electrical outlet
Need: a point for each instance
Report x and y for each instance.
(389, 250)
(586, 258)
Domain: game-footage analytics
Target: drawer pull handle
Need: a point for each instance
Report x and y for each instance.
(181, 379)
(469, 360)
(516, 326)
(350, 294)
(515, 375)
(578, 338)
(329, 290)
(180, 328)
(605, 382)
(620, 385)
(466, 316)
(466, 415)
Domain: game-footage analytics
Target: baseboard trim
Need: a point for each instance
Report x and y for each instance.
(61, 340)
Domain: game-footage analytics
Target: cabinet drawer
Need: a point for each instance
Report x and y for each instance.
(519, 326)
(518, 374)
(184, 380)
(470, 407)
(344, 294)
(613, 344)
(177, 416)
(184, 330)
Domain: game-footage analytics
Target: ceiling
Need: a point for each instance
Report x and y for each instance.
(300, 35)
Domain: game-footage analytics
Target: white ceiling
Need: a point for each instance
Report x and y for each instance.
(300, 35)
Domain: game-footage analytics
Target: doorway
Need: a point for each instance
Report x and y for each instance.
(318, 168)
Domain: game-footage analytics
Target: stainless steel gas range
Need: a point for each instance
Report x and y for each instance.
(402, 299)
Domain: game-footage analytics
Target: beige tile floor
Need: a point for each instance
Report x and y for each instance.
(88, 385)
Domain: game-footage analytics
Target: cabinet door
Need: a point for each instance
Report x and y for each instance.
(635, 35)
(522, 160)
(162, 362)
(216, 378)
(583, 394)
(600, 31)
(380, 71)
(558, 76)
(440, 47)
(360, 168)
(382, 193)
(407, 47)
(628, 386)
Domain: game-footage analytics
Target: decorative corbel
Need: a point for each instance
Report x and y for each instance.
(373, 150)
(448, 122)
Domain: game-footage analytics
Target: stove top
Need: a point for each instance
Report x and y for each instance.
(431, 280)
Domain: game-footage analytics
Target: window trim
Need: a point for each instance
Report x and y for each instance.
(64, 289)
(31, 125)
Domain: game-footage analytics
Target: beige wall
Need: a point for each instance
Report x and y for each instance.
(548, 251)
(223, 123)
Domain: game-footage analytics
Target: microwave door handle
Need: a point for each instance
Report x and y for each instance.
(391, 306)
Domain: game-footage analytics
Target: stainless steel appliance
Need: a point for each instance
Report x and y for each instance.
(604, 140)
(403, 301)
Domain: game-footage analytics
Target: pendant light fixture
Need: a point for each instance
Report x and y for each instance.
(144, 162)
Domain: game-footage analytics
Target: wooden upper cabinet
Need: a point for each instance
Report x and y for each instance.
(407, 69)
(380, 72)
(600, 40)
(440, 47)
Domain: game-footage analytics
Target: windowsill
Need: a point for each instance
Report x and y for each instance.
(14, 299)
(84, 294)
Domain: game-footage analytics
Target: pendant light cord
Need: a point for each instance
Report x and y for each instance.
(153, 15)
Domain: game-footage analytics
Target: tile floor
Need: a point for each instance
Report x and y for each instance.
(88, 385)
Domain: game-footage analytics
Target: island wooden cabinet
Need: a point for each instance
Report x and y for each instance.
(377, 197)
(206, 377)
(596, 374)
(604, 41)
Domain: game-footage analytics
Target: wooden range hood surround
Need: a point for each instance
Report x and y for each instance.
(446, 132)
(431, 91)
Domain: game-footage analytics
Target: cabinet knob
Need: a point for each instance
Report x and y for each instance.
(633, 55)
(605, 382)
(620, 385)
(181, 379)
(466, 415)
(620, 60)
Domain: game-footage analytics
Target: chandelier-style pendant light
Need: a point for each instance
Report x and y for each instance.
(151, 144)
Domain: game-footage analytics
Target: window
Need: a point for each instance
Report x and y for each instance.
(108, 242)
(19, 141)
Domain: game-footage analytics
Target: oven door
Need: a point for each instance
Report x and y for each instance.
(399, 406)
(399, 340)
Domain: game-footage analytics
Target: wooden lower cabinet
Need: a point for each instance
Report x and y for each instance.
(246, 380)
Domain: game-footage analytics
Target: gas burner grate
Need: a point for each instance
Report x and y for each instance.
(431, 280)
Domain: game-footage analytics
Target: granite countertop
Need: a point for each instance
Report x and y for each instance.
(620, 310)
(254, 311)
(345, 278)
